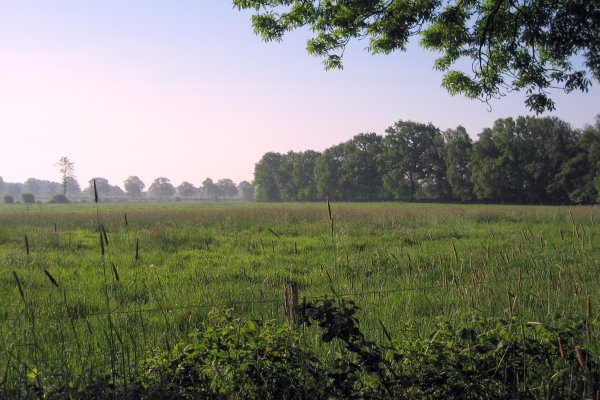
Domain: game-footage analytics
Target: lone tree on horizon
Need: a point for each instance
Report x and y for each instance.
(67, 170)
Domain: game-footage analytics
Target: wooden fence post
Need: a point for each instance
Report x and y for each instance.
(290, 304)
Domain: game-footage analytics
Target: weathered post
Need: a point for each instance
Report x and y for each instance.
(290, 304)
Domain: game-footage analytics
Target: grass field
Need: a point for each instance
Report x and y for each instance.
(71, 306)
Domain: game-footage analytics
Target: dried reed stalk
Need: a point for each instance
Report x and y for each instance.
(49, 275)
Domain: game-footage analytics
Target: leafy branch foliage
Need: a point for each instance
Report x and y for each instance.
(529, 45)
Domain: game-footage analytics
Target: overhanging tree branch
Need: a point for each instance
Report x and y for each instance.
(513, 44)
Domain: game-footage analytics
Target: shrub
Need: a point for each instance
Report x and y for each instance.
(235, 359)
(28, 198)
(8, 199)
(59, 199)
(481, 358)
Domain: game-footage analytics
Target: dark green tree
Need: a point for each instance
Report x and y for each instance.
(496, 170)
(43, 188)
(33, 186)
(283, 177)
(351, 170)
(413, 164)
(186, 189)
(548, 143)
(266, 173)
(102, 187)
(579, 174)
(134, 186)
(457, 155)
(246, 190)
(227, 188)
(328, 175)
(521, 161)
(161, 188)
(52, 188)
(210, 189)
(360, 169)
(303, 175)
(73, 188)
(505, 45)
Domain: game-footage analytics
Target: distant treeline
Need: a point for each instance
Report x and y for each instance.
(161, 188)
(528, 160)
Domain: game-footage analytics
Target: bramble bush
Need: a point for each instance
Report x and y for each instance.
(481, 358)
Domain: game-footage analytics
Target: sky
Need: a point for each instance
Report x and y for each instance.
(185, 90)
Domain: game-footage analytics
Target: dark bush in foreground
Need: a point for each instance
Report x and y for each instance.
(243, 359)
(236, 359)
(8, 199)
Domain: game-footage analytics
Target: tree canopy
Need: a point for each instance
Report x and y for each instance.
(103, 187)
(162, 188)
(247, 190)
(210, 189)
(226, 188)
(526, 160)
(186, 189)
(507, 45)
(134, 186)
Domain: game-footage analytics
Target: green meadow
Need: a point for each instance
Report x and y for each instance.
(89, 289)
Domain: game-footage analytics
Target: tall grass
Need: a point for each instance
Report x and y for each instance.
(109, 301)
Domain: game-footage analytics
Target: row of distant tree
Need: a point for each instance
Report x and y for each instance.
(528, 160)
(160, 188)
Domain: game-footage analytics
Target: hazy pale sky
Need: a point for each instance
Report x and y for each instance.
(184, 89)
